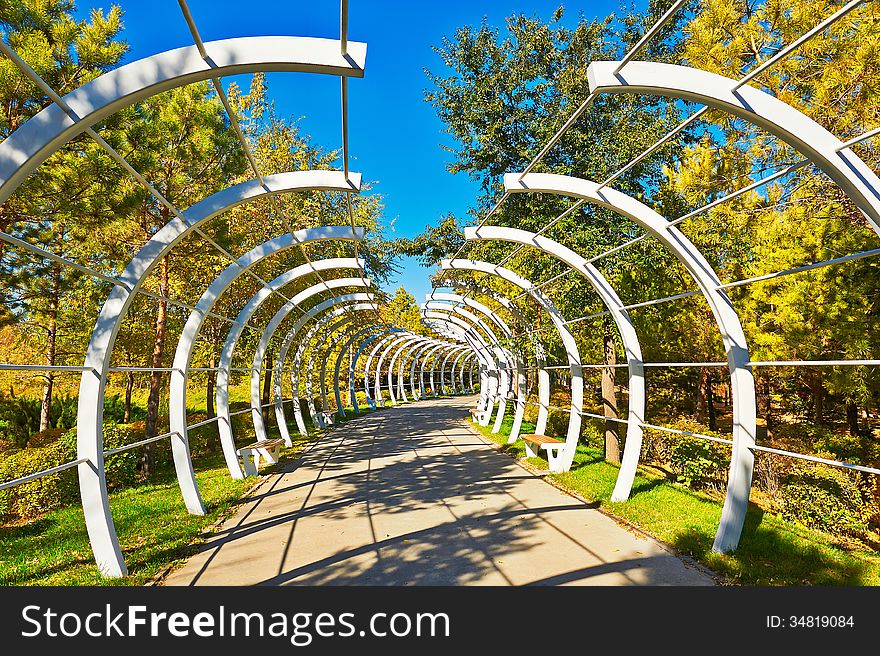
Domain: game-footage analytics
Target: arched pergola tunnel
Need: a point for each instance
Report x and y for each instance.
(326, 309)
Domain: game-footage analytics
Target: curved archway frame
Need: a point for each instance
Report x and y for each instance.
(566, 457)
(730, 329)
(629, 339)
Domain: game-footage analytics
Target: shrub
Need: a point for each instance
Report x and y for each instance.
(20, 417)
(57, 490)
(699, 463)
(826, 498)
(45, 493)
(121, 468)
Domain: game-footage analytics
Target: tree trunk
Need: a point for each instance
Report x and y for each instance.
(705, 402)
(267, 389)
(818, 393)
(212, 413)
(212, 381)
(129, 386)
(710, 401)
(609, 397)
(51, 342)
(852, 418)
(765, 403)
(148, 455)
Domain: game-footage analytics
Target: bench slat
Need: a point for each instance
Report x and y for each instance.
(262, 444)
(535, 438)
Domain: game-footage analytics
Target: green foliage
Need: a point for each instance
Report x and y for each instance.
(45, 493)
(20, 417)
(57, 490)
(699, 463)
(826, 498)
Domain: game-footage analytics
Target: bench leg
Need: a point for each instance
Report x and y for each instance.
(269, 455)
(251, 461)
(529, 451)
(553, 460)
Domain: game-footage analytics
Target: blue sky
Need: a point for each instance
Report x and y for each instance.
(394, 135)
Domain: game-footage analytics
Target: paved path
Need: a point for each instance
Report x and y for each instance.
(412, 496)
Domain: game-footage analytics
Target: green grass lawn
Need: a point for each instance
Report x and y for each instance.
(772, 551)
(153, 525)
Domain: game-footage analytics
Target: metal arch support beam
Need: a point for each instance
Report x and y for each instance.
(183, 352)
(324, 417)
(401, 362)
(263, 344)
(628, 336)
(383, 341)
(416, 355)
(489, 382)
(347, 303)
(741, 380)
(783, 121)
(32, 143)
(522, 381)
(486, 402)
(572, 353)
(90, 410)
(488, 392)
(471, 303)
(387, 332)
(505, 329)
(227, 439)
(407, 345)
(460, 359)
(376, 395)
(419, 359)
(424, 355)
(443, 326)
(318, 350)
(277, 380)
(451, 351)
(395, 342)
(338, 366)
(504, 357)
(332, 306)
(429, 355)
(385, 347)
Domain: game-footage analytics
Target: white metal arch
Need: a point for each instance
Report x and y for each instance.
(317, 310)
(741, 379)
(268, 332)
(628, 336)
(90, 410)
(543, 376)
(380, 345)
(45, 133)
(318, 351)
(347, 303)
(778, 118)
(490, 390)
(183, 352)
(405, 353)
(572, 353)
(225, 363)
(505, 358)
(349, 344)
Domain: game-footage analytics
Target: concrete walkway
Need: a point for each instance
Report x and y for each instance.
(412, 496)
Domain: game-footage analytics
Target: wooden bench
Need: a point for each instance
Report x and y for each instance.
(475, 415)
(251, 454)
(552, 446)
(328, 418)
